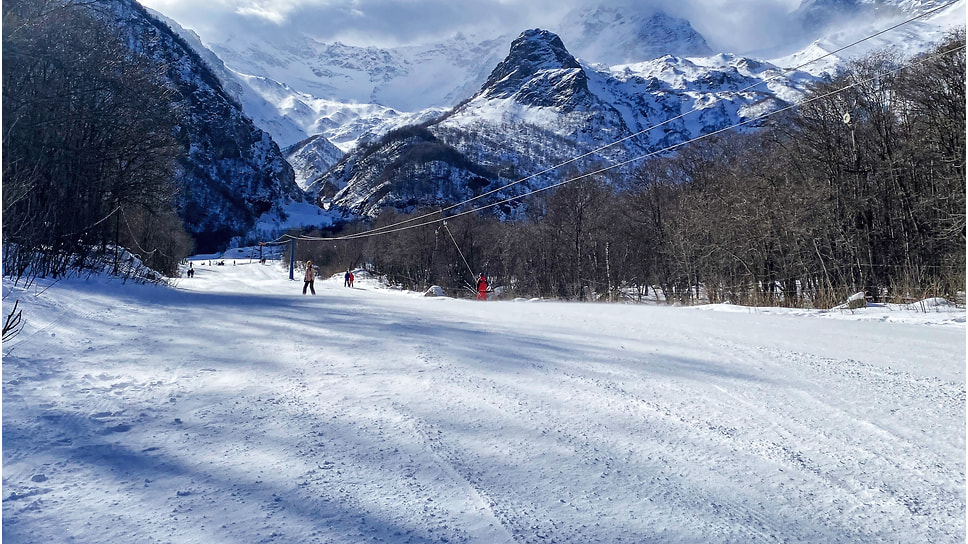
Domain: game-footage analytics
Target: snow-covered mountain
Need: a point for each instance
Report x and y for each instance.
(348, 93)
(345, 92)
(539, 107)
(824, 28)
(610, 35)
(311, 158)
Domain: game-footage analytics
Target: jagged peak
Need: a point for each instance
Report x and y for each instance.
(534, 51)
(541, 49)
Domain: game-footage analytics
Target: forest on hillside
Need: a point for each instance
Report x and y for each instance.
(862, 188)
(89, 146)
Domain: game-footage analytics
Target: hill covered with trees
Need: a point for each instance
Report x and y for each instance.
(117, 135)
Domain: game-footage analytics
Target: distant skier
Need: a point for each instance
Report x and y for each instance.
(346, 279)
(352, 279)
(481, 287)
(310, 278)
(191, 271)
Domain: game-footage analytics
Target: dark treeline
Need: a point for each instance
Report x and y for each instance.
(862, 189)
(88, 146)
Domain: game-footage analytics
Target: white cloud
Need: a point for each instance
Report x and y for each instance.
(271, 15)
(732, 25)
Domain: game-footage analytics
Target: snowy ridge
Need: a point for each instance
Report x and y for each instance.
(320, 87)
(311, 158)
(871, 17)
(347, 93)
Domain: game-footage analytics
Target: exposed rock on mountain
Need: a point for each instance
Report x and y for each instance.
(533, 52)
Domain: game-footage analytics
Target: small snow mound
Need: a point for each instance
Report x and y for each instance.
(361, 274)
(929, 303)
(856, 301)
(435, 291)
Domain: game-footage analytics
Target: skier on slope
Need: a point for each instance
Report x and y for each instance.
(481, 287)
(310, 278)
(346, 279)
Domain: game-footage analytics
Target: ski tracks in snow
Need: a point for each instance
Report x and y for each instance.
(364, 416)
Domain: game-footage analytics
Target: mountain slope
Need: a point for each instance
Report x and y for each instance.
(311, 158)
(406, 169)
(231, 171)
(348, 93)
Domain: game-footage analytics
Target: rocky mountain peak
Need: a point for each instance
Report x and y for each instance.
(541, 49)
(532, 52)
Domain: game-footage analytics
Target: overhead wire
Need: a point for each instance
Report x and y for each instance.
(461, 253)
(284, 239)
(134, 239)
(696, 108)
(92, 225)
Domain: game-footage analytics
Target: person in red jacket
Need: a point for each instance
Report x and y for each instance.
(481, 287)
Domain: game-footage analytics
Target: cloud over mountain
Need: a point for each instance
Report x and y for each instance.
(736, 26)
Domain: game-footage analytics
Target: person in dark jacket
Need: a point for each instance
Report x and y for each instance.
(481, 287)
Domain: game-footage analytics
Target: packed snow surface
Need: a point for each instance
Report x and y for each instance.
(232, 408)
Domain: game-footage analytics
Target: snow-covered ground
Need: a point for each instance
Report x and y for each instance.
(232, 408)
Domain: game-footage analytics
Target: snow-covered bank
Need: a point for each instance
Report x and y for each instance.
(234, 409)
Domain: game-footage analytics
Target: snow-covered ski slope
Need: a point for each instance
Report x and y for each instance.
(233, 409)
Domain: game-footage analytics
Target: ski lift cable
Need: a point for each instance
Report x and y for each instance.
(134, 239)
(92, 225)
(667, 121)
(461, 253)
(400, 228)
(284, 239)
